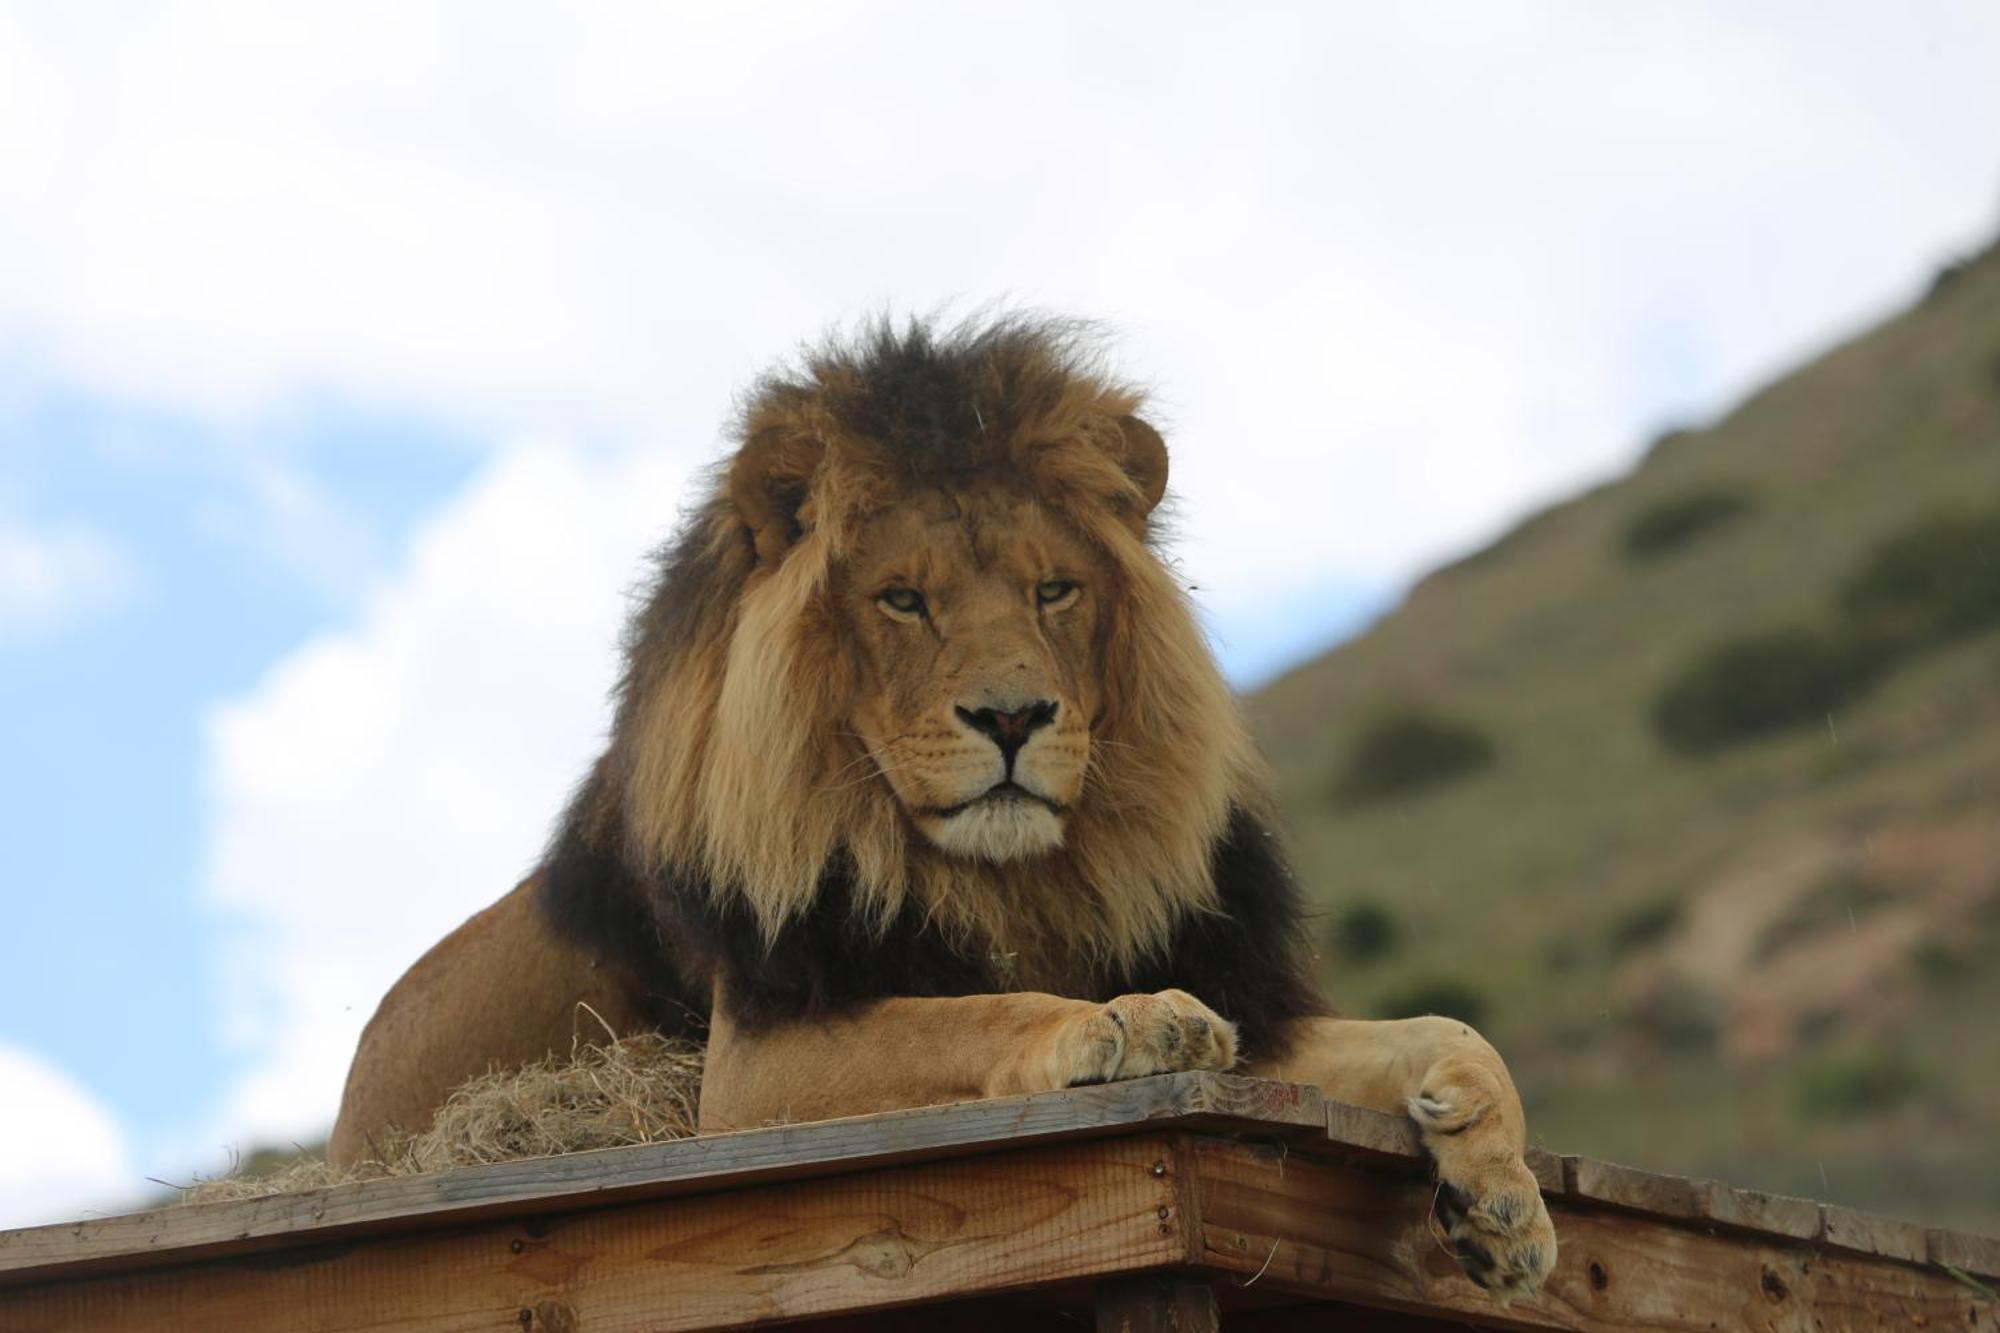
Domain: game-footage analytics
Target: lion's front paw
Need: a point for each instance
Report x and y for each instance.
(1487, 1201)
(1136, 1035)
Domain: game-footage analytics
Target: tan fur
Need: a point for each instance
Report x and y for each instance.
(926, 1051)
(498, 992)
(798, 712)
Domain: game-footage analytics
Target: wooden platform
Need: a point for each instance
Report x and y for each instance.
(1163, 1203)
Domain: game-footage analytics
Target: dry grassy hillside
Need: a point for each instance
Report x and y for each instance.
(1773, 956)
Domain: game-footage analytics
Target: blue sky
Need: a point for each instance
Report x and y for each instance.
(100, 801)
(350, 356)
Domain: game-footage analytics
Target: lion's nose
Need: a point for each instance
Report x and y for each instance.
(1009, 730)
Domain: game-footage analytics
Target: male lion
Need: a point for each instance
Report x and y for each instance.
(923, 787)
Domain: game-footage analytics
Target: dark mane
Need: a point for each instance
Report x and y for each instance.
(944, 401)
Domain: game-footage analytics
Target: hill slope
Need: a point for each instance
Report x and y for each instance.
(1779, 961)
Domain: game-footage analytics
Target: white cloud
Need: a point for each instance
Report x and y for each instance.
(385, 781)
(1426, 263)
(61, 1152)
(52, 577)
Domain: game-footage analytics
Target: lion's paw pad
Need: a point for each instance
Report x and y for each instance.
(1499, 1229)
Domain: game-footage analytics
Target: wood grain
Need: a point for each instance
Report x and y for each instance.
(555, 1184)
(1266, 1187)
(1365, 1238)
(998, 1314)
(1977, 1255)
(1771, 1214)
(1371, 1134)
(1692, 1200)
(870, 1240)
(1641, 1191)
(1851, 1229)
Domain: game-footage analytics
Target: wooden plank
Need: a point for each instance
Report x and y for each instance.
(1365, 1134)
(1319, 1140)
(999, 1314)
(1868, 1233)
(1002, 1314)
(1771, 1214)
(1976, 1255)
(1275, 1109)
(555, 1184)
(1366, 1238)
(1155, 1303)
(1691, 1200)
(1641, 1191)
(870, 1240)
(1547, 1168)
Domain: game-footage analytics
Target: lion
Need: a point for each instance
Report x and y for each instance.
(923, 786)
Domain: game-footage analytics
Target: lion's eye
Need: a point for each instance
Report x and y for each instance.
(903, 601)
(1051, 592)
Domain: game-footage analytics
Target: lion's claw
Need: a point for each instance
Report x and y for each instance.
(1488, 1202)
(1136, 1035)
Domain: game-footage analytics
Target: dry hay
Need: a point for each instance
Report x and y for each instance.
(638, 1089)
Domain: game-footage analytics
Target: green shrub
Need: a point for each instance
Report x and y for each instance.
(1750, 686)
(1947, 276)
(1857, 1083)
(1642, 926)
(1936, 579)
(1445, 996)
(1677, 1017)
(1671, 524)
(1562, 953)
(1407, 752)
(1938, 962)
(1366, 933)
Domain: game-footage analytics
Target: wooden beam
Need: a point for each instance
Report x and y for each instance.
(1261, 1189)
(993, 1314)
(871, 1240)
(1711, 1201)
(1365, 1238)
(1968, 1254)
(664, 1170)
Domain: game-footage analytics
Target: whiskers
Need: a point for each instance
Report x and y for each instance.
(1094, 775)
(859, 771)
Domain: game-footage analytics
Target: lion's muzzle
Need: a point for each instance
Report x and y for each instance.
(1010, 730)
(1012, 781)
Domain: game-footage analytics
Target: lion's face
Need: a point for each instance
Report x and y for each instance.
(974, 619)
(920, 638)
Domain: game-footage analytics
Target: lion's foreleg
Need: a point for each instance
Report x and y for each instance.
(1413, 1066)
(1448, 1079)
(893, 1053)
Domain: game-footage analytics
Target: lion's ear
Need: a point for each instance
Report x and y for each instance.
(768, 484)
(1145, 461)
